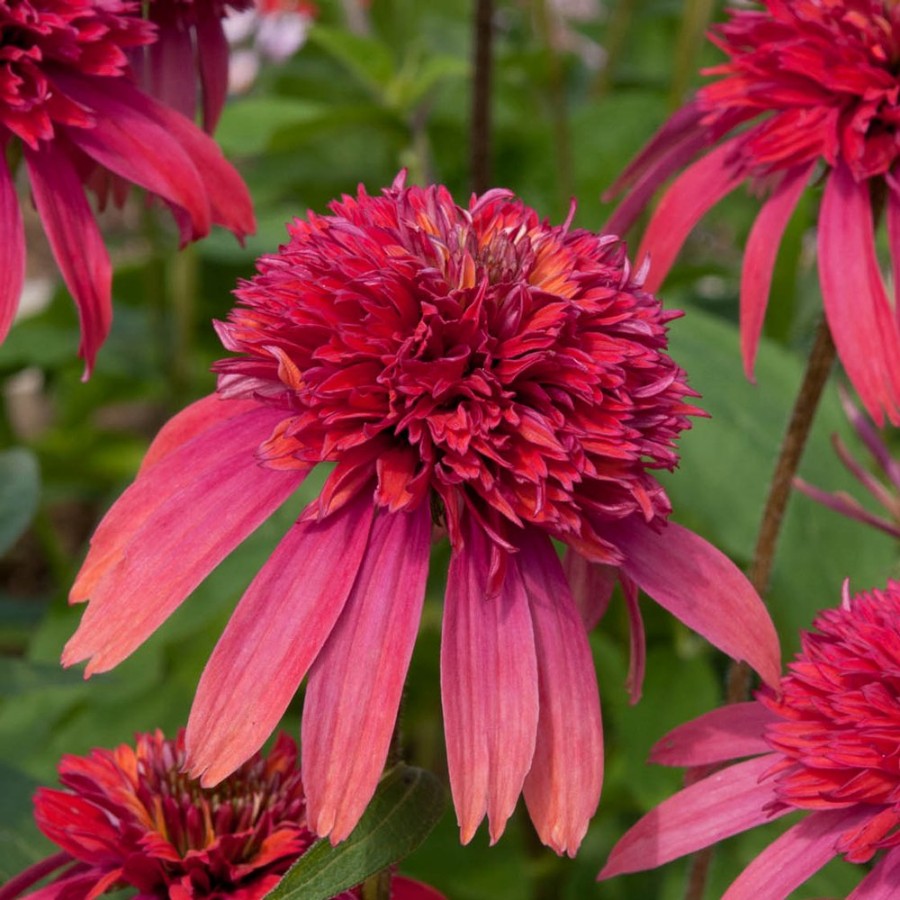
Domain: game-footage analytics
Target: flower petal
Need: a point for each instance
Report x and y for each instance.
(12, 247)
(726, 733)
(699, 187)
(591, 584)
(864, 329)
(489, 686)
(701, 587)
(881, 883)
(272, 638)
(171, 62)
(792, 858)
(76, 242)
(562, 789)
(213, 64)
(726, 803)
(759, 258)
(357, 679)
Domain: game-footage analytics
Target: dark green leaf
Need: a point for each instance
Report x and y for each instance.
(20, 488)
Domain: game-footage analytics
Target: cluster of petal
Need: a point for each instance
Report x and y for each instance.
(191, 38)
(470, 371)
(827, 742)
(885, 489)
(131, 818)
(808, 86)
(68, 100)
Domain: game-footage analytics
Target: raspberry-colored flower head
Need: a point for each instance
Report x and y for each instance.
(827, 742)
(70, 107)
(191, 40)
(809, 94)
(883, 486)
(131, 818)
(469, 371)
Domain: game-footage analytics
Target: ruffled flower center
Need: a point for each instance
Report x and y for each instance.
(475, 357)
(39, 38)
(825, 75)
(840, 737)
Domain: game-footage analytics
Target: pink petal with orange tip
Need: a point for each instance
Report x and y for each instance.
(277, 630)
(699, 188)
(759, 258)
(729, 732)
(12, 248)
(562, 789)
(792, 858)
(724, 804)
(76, 242)
(863, 326)
(489, 686)
(357, 679)
(702, 588)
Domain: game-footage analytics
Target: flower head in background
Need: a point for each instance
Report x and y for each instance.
(70, 107)
(885, 490)
(272, 30)
(130, 817)
(827, 742)
(470, 371)
(810, 91)
(192, 39)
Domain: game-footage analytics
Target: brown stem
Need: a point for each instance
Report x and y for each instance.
(818, 367)
(480, 128)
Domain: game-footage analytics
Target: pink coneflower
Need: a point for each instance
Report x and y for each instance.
(470, 371)
(191, 42)
(131, 818)
(828, 741)
(810, 93)
(885, 489)
(66, 98)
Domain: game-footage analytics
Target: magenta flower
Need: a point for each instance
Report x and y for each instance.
(131, 818)
(828, 741)
(191, 40)
(67, 96)
(885, 490)
(809, 93)
(470, 371)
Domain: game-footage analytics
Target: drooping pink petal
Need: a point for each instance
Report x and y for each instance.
(881, 883)
(211, 435)
(792, 858)
(841, 502)
(759, 258)
(892, 216)
(562, 789)
(272, 638)
(356, 680)
(699, 187)
(489, 687)
(591, 585)
(213, 64)
(407, 889)
(721, 805)
(701, 587)
(76, 242)
(171, 62)
(155, 574)
(729, 732)
(12, 247)
(637, 657)
(863, 326)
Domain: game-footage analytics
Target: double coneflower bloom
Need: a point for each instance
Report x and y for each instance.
(827, 742)
(70, 107)
(471, 372)
(131, 818)
(810, 94)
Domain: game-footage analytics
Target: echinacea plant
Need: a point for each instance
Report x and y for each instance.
(470, 371)
(826, 742)
(130, 818)
(810, 94)
(70, 107)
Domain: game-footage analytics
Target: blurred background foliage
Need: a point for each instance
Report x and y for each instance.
(578, 87)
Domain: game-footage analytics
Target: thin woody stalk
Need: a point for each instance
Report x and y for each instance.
(480, 128)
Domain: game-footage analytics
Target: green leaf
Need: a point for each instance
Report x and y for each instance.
(247, 125)
(407, 805)
(22, 676)
(367, 59)
(20, 488)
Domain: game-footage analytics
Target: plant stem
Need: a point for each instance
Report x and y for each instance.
(480, 126)
(818, 367)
